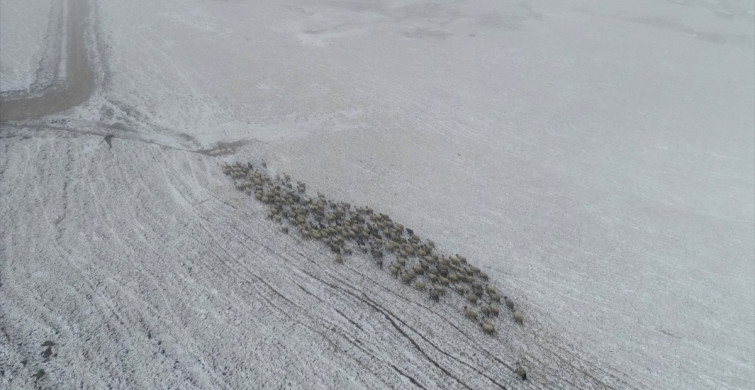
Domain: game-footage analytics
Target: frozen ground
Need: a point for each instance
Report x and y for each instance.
(595, 158)
(27, 27)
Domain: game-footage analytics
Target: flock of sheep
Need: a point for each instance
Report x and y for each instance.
(393, 247)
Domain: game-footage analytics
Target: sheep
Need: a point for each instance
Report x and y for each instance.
(471, 314)
(488, 327)
(343, 229)
(520, 372)
(509, 302)
(518, 317)
(407, 276)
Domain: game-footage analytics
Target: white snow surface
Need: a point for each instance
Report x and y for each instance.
(23, 29)
(595, 158)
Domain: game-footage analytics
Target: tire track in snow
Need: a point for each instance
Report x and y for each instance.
(156, 233)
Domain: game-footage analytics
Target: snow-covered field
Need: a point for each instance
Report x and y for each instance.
(26, 32)
(595, 158)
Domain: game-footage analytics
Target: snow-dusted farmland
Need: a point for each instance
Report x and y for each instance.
(594, 158)
(25, 31)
